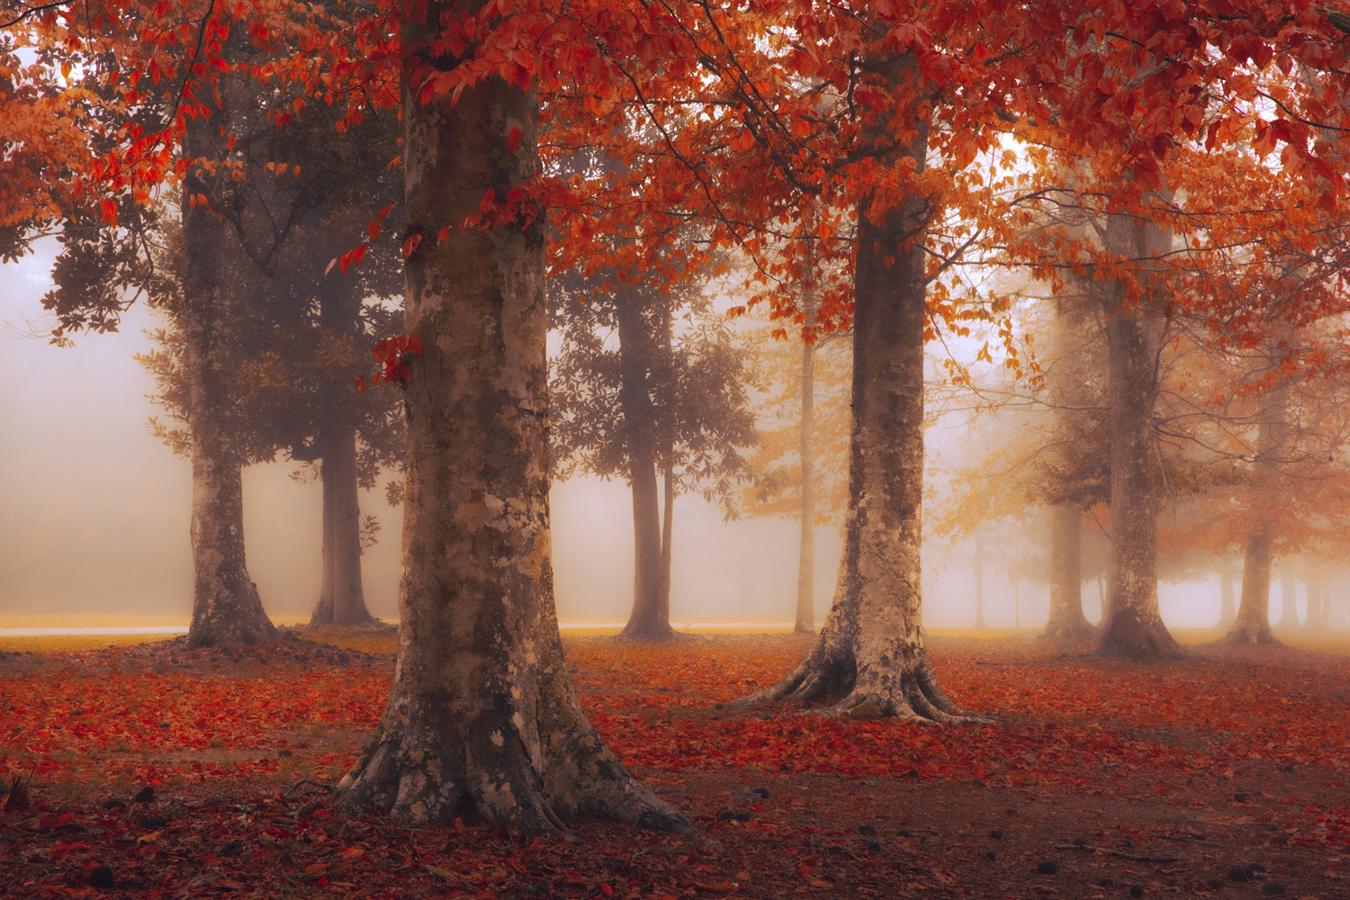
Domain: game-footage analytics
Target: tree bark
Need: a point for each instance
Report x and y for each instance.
(1067, 621)
(650, 618)
(482, 718)
(1252, 624)
(1227, 599)
(226, 608)
(1132, 625)
(806, 546)
(667, 528)
(869, 660)
(341, 595)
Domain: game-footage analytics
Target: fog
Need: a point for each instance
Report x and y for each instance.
(95, 524)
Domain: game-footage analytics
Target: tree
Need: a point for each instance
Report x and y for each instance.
(226, 608)
(1252, 622)
(309, 332)
(666, 399)
(482, 716)
(870, 656)
(800, 461)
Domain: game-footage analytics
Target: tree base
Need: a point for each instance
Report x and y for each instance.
(436, 778)
(1071, 631)
(827, 681)
(1259, 635)
(323, 615)
(1128, 636)
(240, 621)
(652, 632)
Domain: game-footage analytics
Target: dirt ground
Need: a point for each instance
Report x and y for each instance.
(165, 772)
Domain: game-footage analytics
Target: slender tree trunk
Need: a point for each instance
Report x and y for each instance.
(482, 719)
(226, 608)
(1067, 621)
(1017, 603)
(979, 583)
(1227, 598)
(667, 530)
(806, 546)
(1252, 624)
(650, 618)
(342, 598)
(1288, 598)
(1133, 625)
(1319, 601)
(870, 660)
(667, 466)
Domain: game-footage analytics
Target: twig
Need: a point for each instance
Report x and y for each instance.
(1121, 853)
(326, 788)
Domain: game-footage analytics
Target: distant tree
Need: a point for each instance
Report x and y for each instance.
(265, 212)
(649, 380)
(800, 463)
(309, 337)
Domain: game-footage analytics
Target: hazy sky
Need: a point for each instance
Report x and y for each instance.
(94, 512)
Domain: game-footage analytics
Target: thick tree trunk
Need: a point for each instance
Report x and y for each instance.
(1252, 624)
(226, 608)
(1288, 598)
(341, 595)
(1132, 625)
(870, 660)
(342, 598)
(482, 719)
(806, 546)
(650, 618)
(1227, 597)
(1067, 621)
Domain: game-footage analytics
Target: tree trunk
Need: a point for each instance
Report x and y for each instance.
(667, 527)
(1227, 600)
(1319, 601)
(342, 598)
(869, 659)
(482, 718)
(978, 568)
(1288, 598)
(1132, 625)
(226, 608)
(650, 618)
(1252, 625)
(806, 546)
(1067, 621)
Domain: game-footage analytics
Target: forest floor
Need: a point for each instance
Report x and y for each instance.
(156, 770)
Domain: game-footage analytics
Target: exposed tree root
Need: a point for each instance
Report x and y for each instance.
(1071, 631)
(649, 633)
(1249, 635)
(495, 777)
(1128, 636)
(829, 684)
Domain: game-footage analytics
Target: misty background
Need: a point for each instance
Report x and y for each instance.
(94, 514)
